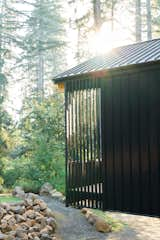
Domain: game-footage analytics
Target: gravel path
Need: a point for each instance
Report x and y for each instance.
(73, 225)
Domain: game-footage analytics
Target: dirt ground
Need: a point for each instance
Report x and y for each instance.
(73, 225)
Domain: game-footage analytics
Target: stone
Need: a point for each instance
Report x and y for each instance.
(84, 210)
(10, 237)
(21, 234)
(20, 218)
(52, 222)
(56, 195)
(5, 228)
(30, 222)
(41, 220)
(92, 219)
(36, 208)
(32, 196)
(46, 189)
(3, 236)
(45, 236)
(102, 226)
(32, 235)
(28, 202)
(18, 209)
(88, 214)
(41, 204)
(30, 214)
(2, 212)
(35, 228)
(24, 225)
(7, 217)
(12, 221)
(49, 213)
(47, 230)
(19, 192)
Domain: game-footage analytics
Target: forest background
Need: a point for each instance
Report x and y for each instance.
(38, 40)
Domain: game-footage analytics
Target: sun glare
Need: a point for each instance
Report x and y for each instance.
(106, 39)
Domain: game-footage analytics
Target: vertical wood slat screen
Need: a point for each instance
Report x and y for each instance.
(83, 148)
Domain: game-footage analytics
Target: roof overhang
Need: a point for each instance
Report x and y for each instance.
(111, 72)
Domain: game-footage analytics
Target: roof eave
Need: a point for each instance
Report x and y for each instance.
(105, 72)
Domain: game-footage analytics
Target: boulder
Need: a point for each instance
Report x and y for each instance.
(102, 226)
(84, 210)
(32, 196)
(57, 195)
(46, 189)
(18, 192)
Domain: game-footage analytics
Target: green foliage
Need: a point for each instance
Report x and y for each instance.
(40, 157)
(116, 224)
(1, 180)
(28, 185)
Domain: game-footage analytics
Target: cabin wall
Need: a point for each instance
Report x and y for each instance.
(131, 141)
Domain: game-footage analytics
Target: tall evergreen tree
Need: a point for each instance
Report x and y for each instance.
(44, 41)
(97, 14)
(149, 20)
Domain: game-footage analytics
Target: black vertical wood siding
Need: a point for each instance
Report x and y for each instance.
(113, 142)
(132, 142)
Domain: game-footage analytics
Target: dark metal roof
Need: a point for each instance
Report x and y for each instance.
(138, 53)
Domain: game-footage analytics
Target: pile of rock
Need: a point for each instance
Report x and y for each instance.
(45, 190)
(29, 220)
(99, 223)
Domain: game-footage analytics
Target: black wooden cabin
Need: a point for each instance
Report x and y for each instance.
(113, 130)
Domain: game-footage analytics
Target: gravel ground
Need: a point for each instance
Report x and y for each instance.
(73, 225)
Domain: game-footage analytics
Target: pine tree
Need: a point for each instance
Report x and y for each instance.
(43, 42)
(149, 20)
(2, 52)
(156, 18)
(97, 14)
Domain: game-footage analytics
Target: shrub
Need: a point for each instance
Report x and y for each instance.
(28, 185)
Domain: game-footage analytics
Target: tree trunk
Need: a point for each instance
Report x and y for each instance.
(113, 4)
(112, 16)
(40, 82)
(40, 65)
(97, 14)
(138, 21)
(2, 16)
(149, 20)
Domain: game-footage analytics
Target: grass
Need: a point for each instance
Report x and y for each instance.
(116, 224)
(9, 199)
